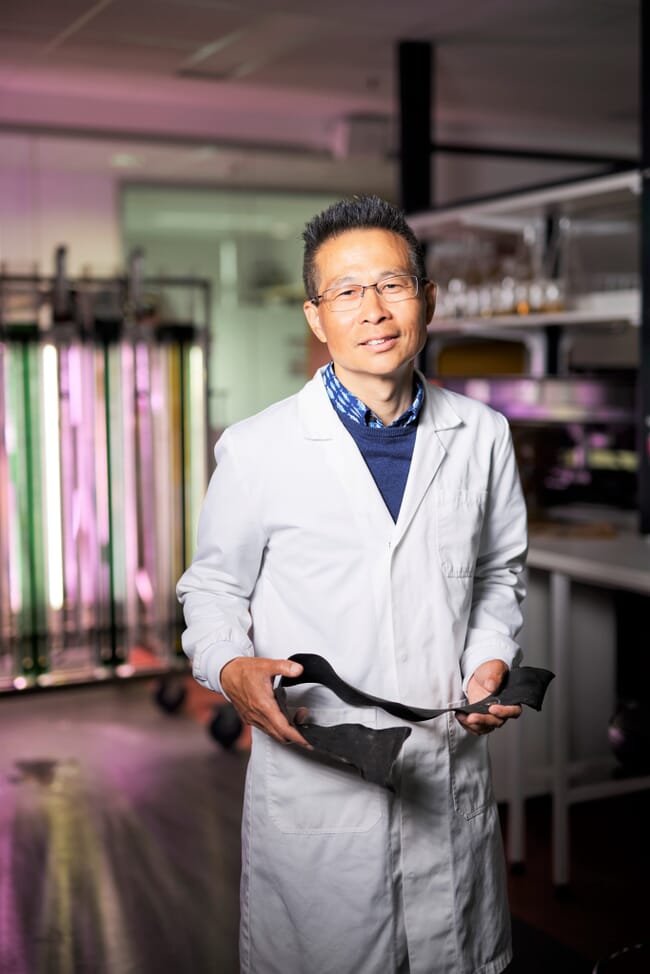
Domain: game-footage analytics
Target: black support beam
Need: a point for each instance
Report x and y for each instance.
(644, 337)
(415, 71)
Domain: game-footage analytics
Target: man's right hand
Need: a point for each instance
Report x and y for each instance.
(248, 682)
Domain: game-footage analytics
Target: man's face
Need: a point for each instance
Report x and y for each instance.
(378, 338)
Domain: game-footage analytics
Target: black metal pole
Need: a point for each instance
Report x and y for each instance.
(415, 60)
(644, 338)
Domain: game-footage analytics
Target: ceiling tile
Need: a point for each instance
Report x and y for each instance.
(36, 17)
(162, 23)
(573, 63)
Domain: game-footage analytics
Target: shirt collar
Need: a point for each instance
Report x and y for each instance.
(348, 405)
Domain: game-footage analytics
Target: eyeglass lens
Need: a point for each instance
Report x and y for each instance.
(391, 289)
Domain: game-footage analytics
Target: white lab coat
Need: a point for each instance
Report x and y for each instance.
(298, 553)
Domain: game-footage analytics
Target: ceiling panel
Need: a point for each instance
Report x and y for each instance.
(332, 63)
(534, 68)
(252, 8)
(103, 54)
(260, 44)
(165, 23)
(40, 19)
(561, 82)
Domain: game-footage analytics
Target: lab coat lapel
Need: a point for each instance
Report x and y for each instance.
(342, 454)
(436, 427)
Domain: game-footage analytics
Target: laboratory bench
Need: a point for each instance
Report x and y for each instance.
(598, 557)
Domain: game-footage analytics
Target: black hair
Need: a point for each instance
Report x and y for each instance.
(357, 213)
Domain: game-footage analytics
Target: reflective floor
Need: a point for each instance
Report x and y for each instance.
(119, 838)
(119, 847)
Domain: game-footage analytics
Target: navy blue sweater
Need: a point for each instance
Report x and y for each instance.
(387, 451)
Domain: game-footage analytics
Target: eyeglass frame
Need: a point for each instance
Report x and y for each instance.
(318, 298)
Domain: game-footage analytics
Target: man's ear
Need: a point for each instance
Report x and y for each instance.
(312, 315)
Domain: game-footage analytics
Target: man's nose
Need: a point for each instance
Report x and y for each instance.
(372, 306)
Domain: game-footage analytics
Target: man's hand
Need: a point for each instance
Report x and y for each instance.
(487, 679)
(248, 681)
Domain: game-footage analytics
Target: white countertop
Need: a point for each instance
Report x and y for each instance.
(622, 561)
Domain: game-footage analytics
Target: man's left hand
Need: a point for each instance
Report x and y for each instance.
(487, 679)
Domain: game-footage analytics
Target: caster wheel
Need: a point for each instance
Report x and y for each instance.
(170, 693)
(226, 725)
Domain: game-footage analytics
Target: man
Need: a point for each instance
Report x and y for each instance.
(377, 521)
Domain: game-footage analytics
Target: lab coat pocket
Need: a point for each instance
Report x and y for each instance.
(459, 519)
(307, 796)
(471, 785)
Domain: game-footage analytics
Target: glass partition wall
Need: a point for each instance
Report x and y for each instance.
(249, 245)
(177, 311)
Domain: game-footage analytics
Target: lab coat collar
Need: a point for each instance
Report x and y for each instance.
(319, 419)
(320, 422)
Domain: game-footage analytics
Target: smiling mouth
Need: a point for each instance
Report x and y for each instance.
(380, 341)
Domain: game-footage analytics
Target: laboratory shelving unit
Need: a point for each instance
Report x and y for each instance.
(603, 222)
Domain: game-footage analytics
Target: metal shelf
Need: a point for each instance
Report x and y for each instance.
(541, 320)
(525, 206)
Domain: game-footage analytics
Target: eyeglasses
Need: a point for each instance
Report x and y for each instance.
(347, 297)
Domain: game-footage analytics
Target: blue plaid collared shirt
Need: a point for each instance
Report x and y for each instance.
(348, 405)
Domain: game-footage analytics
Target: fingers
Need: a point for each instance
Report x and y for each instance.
(486, 723)
(485, 681)
(479, 724)
(278, 727)
(488, 677)
(505, 713)
(248, 682)
(283, 667)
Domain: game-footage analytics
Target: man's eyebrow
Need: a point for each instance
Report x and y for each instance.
(350, 278)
